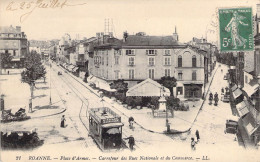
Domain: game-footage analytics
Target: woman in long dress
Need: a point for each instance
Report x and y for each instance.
(62, 124)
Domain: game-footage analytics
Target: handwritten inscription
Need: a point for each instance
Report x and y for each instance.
(30, 6)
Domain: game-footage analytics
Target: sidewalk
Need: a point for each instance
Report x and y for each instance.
(181, 122)
(17, 95)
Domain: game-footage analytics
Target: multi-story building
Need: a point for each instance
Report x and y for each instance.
(14, 41)
(138, 57)
(189, 65)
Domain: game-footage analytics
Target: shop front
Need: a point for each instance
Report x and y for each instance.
(193, 90)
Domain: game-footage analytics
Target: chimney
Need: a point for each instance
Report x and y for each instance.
(18, 28)
(125, 36)
(102, 37)
(111, 34)
(175, 35)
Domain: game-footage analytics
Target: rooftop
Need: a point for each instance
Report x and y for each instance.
(137, 40)
(10, 29)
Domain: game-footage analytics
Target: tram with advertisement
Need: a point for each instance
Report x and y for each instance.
(105, 127)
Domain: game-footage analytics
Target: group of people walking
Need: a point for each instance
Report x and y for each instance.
(193, 142)
(216, 99)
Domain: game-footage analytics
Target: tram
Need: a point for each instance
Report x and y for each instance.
(105, 127)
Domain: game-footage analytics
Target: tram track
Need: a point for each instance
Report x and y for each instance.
(83, 99)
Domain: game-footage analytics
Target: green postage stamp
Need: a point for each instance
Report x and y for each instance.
(236, 29)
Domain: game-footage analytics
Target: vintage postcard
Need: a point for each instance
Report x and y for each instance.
(130, 80)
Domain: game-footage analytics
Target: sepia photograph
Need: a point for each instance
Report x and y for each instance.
(130, 80)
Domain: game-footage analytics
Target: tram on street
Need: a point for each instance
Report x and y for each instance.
(105, 127)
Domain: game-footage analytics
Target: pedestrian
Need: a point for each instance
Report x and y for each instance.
(131, 141)
(197, 135)
(131, 122)
(193, 144)
(222, 90)
(8, 72)
(62, 124)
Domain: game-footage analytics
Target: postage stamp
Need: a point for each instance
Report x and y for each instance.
(236, 29)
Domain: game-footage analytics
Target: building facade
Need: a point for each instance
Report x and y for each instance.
(14, 41)
(189, 71)
(138, 57)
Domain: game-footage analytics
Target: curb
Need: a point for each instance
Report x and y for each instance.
(62, 111)
(205, 98)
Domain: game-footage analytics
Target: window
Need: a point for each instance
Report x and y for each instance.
(131, 61)
(129, 52)
(179, 90)
(194, 61)
(131, 74)
(151, 52)
(151, 73)
(167, 61)
(102, 60)
(116, 60)
(180, 76)
(167, 52)
(116, 74)
(167, 72)
(194, 75)
(151, 61)
(107, 58)
(179, 61)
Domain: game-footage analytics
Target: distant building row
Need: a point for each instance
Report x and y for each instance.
(138, 57)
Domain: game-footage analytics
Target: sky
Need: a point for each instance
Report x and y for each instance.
(192, 18)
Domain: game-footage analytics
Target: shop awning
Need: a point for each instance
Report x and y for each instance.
(104, 86)
(100, 83)
(252, 87)
(242, 108)
(237, 93)
(148, 88)
(234, 88)
(250, 124)
(75, 69)
(71, 67)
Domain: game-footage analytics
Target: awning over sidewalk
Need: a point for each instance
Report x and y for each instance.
(234, 88)
(252, 88)
(250, 124)
(242, 108)
(100, 83)
(75, 69)
(71, 67)
(148, 88)
(237, 93)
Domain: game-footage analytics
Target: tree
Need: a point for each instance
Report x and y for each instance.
(34, 70)
(5, 58)
(119, 85)
(168, 82)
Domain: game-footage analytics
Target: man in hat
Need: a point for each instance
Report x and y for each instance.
(131, 141)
